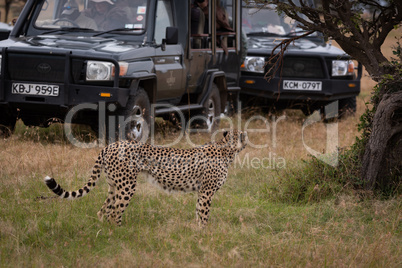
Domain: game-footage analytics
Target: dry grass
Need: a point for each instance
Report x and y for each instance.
(246, 228)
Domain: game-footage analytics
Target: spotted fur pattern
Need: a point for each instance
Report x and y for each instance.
(203, 169)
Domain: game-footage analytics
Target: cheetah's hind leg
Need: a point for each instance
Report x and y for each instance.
(107, 205)
(119, 198)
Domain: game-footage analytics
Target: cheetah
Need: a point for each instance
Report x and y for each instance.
(203, 169)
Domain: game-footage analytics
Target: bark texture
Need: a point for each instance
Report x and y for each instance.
(383, 153)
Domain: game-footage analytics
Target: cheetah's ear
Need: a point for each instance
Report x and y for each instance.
(225, 133)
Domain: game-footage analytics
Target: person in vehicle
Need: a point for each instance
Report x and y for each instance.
(106, 15)
(199, 14)
(71, 13)
(222, 26)
(198, 22)
(222, 20)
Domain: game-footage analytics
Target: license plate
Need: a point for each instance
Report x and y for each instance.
(302, 85)
(35, 89)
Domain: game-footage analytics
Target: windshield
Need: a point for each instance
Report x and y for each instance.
(266, 21)
(93, 15)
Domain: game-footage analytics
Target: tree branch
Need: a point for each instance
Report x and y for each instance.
(343, 21)
(276, 59)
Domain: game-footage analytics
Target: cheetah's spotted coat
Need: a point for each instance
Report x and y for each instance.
(203, 169)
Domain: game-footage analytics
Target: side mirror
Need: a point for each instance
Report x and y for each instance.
(172, 37)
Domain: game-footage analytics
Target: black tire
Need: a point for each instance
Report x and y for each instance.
(232, 106)
(137, 118)
(7, 122)
(346, 107)
(208, 118)
(308, 110)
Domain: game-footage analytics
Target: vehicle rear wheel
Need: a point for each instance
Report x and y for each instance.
(209, 117)
(137, 118)
(233, 104)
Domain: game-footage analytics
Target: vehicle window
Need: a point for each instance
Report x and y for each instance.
(225, 30)
(257, 20)
(225, 13)
(98, 16)
(46, 13)
(164, 18)
(200, 25)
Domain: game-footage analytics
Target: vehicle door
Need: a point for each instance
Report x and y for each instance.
(168, 59)
(200, 50)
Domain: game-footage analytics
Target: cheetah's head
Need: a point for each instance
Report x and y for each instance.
(236, 140)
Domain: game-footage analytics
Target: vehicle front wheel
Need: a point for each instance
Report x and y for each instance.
(7, 122)
(347, 107)
(137, 118)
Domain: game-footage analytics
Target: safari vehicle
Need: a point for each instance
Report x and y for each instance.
(313, 73)
(121, 76)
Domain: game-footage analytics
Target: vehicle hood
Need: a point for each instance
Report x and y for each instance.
(5, 27)
(264, 46)
(74, 44)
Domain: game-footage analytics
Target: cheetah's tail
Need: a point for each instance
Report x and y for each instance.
(56, 188)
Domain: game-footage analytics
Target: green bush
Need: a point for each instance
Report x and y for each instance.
(315, 180)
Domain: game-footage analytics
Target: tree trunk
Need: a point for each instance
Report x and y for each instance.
(383, 153)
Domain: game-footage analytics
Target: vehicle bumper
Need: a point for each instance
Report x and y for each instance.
(331, 89)
(69, 97)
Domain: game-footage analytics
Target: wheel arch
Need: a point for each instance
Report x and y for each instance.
(148, 84)
(219, 79)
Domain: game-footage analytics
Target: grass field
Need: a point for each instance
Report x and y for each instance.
(248, 225)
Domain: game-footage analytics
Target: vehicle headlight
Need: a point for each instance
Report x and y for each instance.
(342, 67)
(253, 64)
(103, 70)
(99, 71)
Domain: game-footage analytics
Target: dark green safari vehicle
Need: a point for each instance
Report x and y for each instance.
(120, 74)
(313, 74)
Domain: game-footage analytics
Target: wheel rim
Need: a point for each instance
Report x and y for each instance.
(210, 113)
(136, 130)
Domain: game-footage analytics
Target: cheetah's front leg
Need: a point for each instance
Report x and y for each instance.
(203, 206)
